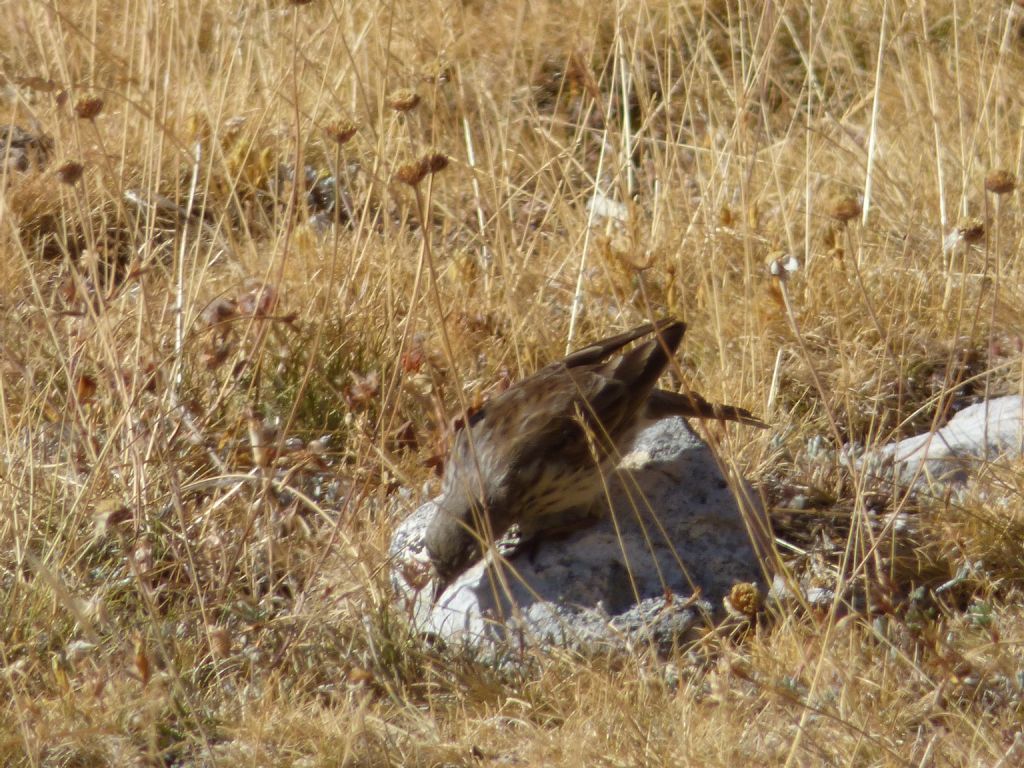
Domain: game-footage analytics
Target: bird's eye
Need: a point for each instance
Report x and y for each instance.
(474, 416)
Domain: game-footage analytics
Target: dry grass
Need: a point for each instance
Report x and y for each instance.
(177, 337)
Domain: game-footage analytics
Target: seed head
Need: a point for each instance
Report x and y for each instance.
(89, 108)
(404, 100)
(782, 265)
(441, 73)
(435, 162)
(844, 208)
(110, 515)
(70, 172)
(342, 132)
(1000, 181)
(258, 299)
(220, 310)
(744, 598)
(413, 173)
(971, 230)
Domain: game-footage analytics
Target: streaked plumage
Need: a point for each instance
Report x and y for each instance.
(537, 451)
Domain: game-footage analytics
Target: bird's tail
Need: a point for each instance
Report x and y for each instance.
(692, 405)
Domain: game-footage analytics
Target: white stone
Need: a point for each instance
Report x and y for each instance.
(978, 434)
(650, 572)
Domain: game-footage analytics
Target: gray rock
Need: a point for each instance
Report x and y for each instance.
(978, 434)
(650, 572)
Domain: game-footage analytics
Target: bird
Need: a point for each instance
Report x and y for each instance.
(535, 455)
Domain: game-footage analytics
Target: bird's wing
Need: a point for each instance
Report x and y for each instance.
(600, 350)
(639, 369)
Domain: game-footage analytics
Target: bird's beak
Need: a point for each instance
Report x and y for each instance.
(441, 583)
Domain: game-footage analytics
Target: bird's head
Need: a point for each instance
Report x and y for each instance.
(452, 541)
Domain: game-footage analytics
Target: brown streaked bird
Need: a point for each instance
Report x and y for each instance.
(535, 454)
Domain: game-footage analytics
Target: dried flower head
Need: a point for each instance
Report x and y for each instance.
(410, 173)
(440, 73)
(435, 162)
(363, 391)
(89, 108)
(843, 208)
(404, 100)
(782, 266)
(744, 599)
(110, 515)
(357, 676)
(971, 230)
(220, 310)
(258, 299)
(341, 132)
(70, 172)
(215, 356)
(1000, 181)
(413, 173)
